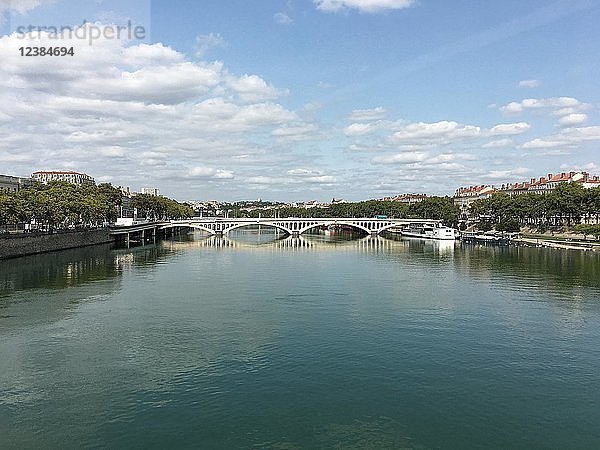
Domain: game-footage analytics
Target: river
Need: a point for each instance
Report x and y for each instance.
(317, 342)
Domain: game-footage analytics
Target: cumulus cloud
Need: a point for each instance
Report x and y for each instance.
(139, 112)
(438, 132)
(555, 103)
(568, 137)
(326, 180)
(204, 42)
(529, 83)
(282, 18)
(420, 136)
(19, 6)
(361, 129)
(296, 132)
(425, 162)
(365, 115)
(507, 129)
(499, 143)
(401, 158)
(252, 88)
(209, 172)
(572, 119)
(507, 174)
(367, 6)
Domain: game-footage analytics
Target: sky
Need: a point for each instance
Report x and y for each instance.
(301, 99)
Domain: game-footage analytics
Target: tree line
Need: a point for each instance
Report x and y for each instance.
(160, 208)
(435, 208)
(61, 205)
(567, 205)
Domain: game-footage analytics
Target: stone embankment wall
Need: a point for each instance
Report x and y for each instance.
(15, 245)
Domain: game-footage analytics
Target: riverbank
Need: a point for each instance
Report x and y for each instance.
(562, 243)
(22, 244)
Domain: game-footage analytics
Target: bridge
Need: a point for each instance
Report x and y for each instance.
(294, 226)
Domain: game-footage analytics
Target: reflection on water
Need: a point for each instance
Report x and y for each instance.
(45, 287)
(316, 341)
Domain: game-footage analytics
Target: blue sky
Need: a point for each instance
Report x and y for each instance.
(302, 99)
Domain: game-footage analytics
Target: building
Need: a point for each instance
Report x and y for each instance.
(126, 210)
(151, 191)
(13, 184)
(465, 196)
(516, 188)
(66, 176)
(546, 184)
(591, 182)
(408, 198)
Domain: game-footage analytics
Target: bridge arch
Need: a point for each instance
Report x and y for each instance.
(310, 226)
(327, 223)
(387, 227)
(268, 224)
(358, 226)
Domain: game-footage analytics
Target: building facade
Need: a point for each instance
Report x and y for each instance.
(464, 197)
(13, 184)
(408, 198)
(151, 191)
(68, 177)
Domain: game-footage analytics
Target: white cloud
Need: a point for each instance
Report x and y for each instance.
(322, 179)
(572, 119)
(292, 180)
(449, 157)
(361, 129)
(137, 113)
(282, 18)
(506, 174)
(555, 103)
(438, 132)
(401, 158)
(365, 115)
(296, 132)
(529, 83)
(367, 6)
(209, 172)
(543, 143)
(252, 88)
(19, 6)
(499, 143)
(205, 42)
(509, 129)
(568, 137)
(325, 85)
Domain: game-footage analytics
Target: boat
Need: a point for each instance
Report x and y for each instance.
(430, 232)
(489, 237)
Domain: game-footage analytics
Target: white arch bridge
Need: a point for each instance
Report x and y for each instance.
(295, 226)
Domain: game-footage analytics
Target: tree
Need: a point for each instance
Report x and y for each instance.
(508, 224)
(60, 205)
(587, 230)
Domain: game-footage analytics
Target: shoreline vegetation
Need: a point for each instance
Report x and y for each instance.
(569, 211)
(569, 216)
(60, 206)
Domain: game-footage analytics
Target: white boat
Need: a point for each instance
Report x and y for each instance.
(428, 232)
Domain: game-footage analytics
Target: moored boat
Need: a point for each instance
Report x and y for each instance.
(430, 232)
